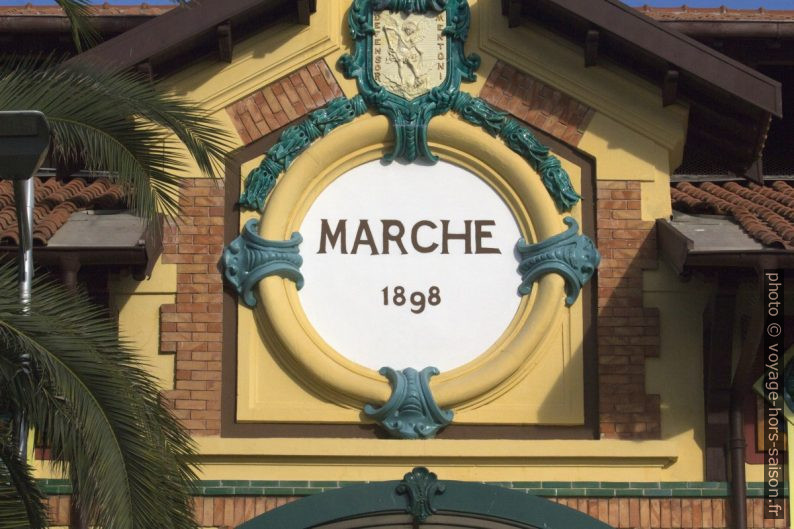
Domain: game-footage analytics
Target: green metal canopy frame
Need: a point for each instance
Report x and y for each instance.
(421, 495)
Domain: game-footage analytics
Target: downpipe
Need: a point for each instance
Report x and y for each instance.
(23, 194)
(737, 447)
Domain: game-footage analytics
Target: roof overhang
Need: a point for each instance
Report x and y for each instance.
(714, 244)
(100, 238)
(43, 24)
(191, 30)
(733, 29)
(41, 29)
(731, 104)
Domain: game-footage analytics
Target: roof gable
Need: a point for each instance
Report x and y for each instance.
(730, 104)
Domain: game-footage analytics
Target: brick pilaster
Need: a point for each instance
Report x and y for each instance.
(627, 331)
(191, 327)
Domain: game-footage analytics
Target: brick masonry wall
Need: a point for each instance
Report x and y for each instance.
(283, 101)
(627, 331)
(536, 103)
(669, 513)
(191, 328)
(227, 512)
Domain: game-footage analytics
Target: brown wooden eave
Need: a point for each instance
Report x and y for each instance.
(193, 30)
(43, 24)
(731, 104)
(679, 252)
(701, 29)
(140, 260)
(45, 34)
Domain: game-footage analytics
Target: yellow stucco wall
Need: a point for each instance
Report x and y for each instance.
(138, 305)
(631, 137)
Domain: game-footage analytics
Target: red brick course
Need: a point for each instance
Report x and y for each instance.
(191, 328)
(223, 511)
(627, 331)
(282, 101)
(231, 511)
(670, 513)
(227, 512)
(537, 103)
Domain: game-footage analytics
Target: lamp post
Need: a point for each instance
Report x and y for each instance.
(24, 140)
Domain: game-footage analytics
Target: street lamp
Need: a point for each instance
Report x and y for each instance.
(24, 140)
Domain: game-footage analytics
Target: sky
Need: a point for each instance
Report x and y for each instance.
(738, 4)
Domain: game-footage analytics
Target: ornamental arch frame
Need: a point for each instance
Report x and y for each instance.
(368, 138)
(445, 132)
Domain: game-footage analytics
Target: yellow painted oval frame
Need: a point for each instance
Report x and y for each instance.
(330, 374)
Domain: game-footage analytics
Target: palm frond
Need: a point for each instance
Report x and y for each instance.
(84, 34)
(98, 410)
(21, 500)
(121, 123)
(205, 140)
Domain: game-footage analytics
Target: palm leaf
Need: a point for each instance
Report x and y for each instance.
(98, 410)
(121, 123)
(21, 502)
(84, 34)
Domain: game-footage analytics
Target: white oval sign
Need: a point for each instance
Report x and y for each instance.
(409, 266)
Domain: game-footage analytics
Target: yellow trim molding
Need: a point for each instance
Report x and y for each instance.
(499, 460)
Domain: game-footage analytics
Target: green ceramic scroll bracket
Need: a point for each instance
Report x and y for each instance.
(249, 258)
(569, 254)
(412, 100)
(521, 140)
(293, 141)
(411, 412)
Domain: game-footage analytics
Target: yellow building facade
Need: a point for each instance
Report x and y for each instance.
(597, 403)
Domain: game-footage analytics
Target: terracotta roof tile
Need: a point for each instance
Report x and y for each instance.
(766, 212)
(721, 14)
(103, 10)
(56, 200)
